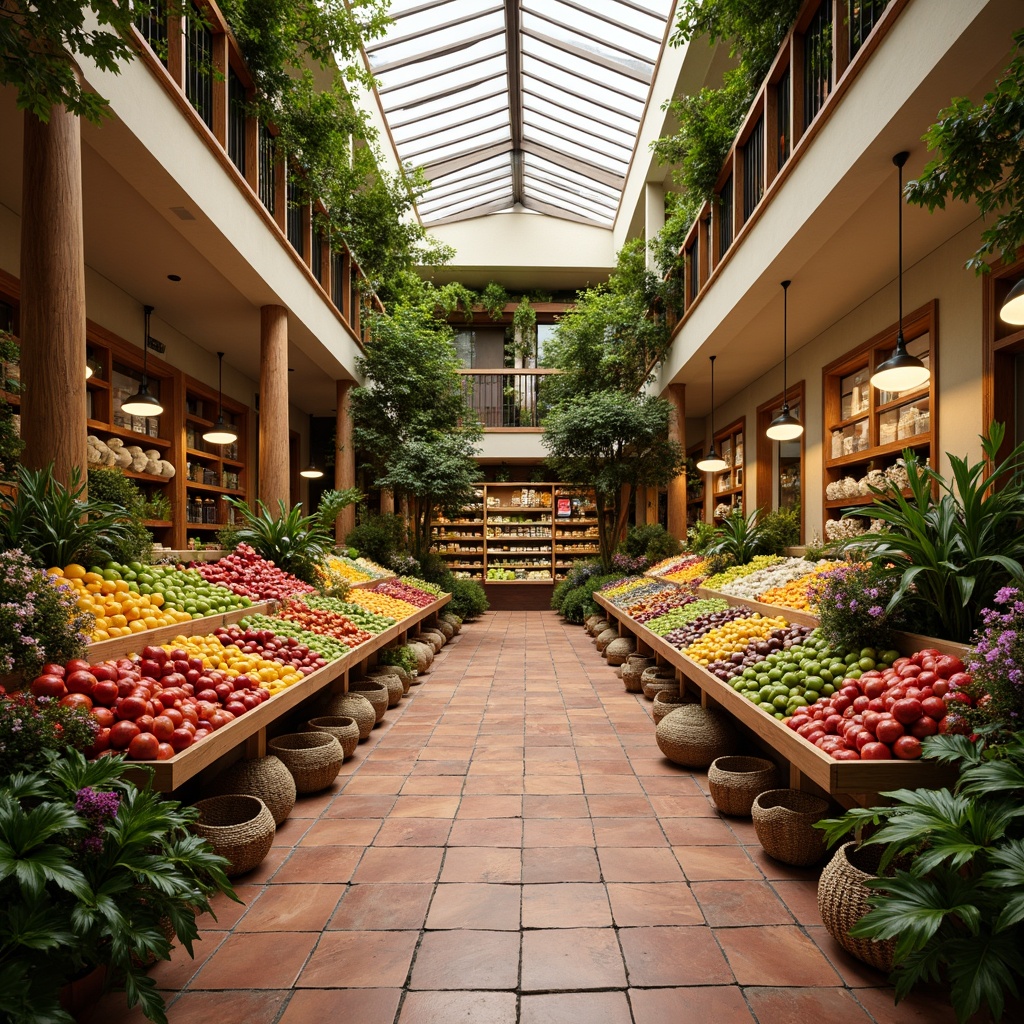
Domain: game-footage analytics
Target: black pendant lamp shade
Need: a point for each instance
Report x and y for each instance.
(712, 462)
(142, 403)
(1012, 309)
(311, 472)
(220, 432)
(785, 426)
(901, 371)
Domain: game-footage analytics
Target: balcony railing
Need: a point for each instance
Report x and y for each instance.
(829, 44)
(198, 61)
(506, 399)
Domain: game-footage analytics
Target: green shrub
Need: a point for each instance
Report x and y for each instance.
(778, 530)
(700, 537)
(468, 599)
(378, 537)
(558, 595)
(651, 541)
(579, 602)
(113, 487)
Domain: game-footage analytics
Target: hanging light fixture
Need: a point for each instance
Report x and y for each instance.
(220, 432)
(785, 426)
(142, 403)
(88, 371)
(901, 371)
(1012, 309)
(311, 472)
(712, 462)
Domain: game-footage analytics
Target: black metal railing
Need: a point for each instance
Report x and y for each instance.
(724, 213)
(783, 94)
(316, 257)
(294, 218)
(152, 24)
(236, 121)
(267, 169)
(817, 61)
(863, 16)
(509, 398)
(199, 65)
(693, 269)
(338, 280)
(753, 169)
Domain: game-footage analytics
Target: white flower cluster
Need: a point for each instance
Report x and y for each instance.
(764, 579)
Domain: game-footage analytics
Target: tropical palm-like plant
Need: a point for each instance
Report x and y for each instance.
(295, 542)
(951, 554)
(738, 537)
(56, 524)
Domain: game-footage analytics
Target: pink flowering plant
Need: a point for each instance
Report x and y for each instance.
(996, 665)
(851, 601)
(94, 871)
(31, 726)
(40, 620)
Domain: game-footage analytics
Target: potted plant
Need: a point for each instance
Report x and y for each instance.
(94, 872)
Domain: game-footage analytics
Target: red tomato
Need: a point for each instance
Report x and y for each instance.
(105, 670)
(180, 739)
(165, 752)
(52, 669)
(907, 748)
(122, 733)
(104, 692)
(104, 716)
(77, 700)
(162, 728)
(144, 747)
(948, 665)
(80, 682)
(889, 730)
(100, 742)
(875, 752)
(934, 707)
(145, 722)
(130, 708)
(77, 665)
(48, 686)
(907, 711)
(924, 726)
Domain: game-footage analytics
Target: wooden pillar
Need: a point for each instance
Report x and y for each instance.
(344, 457)
(640, 502)
(53, 296)
(676, 395)
(274, 468)
(387, 502)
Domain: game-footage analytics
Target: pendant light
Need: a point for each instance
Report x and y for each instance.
(785, 426)
(142, 403)
(712, 462)
(901, 371)
(1012, 310)
(220, 432)
(311, 472)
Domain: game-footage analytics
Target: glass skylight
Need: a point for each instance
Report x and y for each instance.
(532, 104)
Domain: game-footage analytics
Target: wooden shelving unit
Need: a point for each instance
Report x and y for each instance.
(866, 429)
(727, 485)
(696, 487)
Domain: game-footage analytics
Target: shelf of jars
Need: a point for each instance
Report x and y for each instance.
(695, 488)
(868, 430)
(727, 484)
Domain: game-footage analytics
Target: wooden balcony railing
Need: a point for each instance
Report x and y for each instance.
(506, 399)
(828, 46)
(198, 62)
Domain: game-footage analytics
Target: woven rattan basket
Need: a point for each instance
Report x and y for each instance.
(735, 780)
(375, 691)
(598, 626)
(265, 777)
(393, 670)
(694, 736)
(619, 650)
(605, 637)
(435, 633)
(313, 758)
(784, 822)
(396, 691)
(424, 655)
(665, 702)
(446, 627)
(632, 670)
(658, 678)
(590, 620)
(342, 727)
(843, 901)
(238, 826)
(354, 706)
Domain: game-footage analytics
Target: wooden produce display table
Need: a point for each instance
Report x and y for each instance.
(253, 727)
(850, 782)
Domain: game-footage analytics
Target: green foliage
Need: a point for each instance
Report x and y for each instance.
(780, 529)
(738, 537)
(57, 525)
(378, 537)
(700, 536)
(91, 867)
(113, 487)
(469, 599)
(579, 602)
(11, 444)
(611, 440)
(524, 324)
(494, 298)
(331, 505)
(651, 541)
(957, 911)
(294, 542)
(951, 555)
(29, 727)
(402, 656)
(979, 159)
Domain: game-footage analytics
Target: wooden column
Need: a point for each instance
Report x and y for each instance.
(344, 457)
(676, 395)
(53, 296)
(387, 502)
(274, 468)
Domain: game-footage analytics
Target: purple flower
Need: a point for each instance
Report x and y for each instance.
(875, 610)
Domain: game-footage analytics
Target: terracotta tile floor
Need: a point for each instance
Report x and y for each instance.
(509, 845)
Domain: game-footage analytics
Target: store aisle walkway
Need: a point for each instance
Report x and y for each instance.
(511, 846)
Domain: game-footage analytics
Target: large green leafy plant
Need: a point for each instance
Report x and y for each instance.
(951, 554)
(292, 541)
(738, 537)
(950, 890)
(55, 524)
(113, 487)
(93, 870)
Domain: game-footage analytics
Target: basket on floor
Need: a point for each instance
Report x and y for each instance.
(735, 780)
(265, 777)
(354, 706)
(599, 625)
(313, 758)
(392, 670)
(665, 702)
(658, 678)
(396, 691)
(342, 727)
(694, 736)
(375, 691)
(424, 655)
(784, 822)
(632, 670)
(619, 650)
(843, 901)
(590, 621)
(605, 637)
(238, 826)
